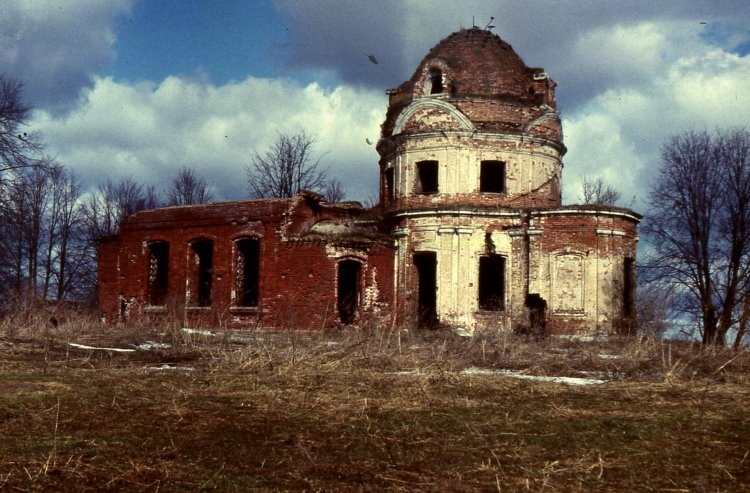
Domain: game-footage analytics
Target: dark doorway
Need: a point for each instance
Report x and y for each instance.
(537, 316)
(158, 273)
(200, 289)
(426, 265)
(348, 290)
(492, 282)
(247, 273)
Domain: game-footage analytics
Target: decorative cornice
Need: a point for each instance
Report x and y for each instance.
(431, 103)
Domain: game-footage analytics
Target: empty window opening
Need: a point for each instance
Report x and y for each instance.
(427, 177)
(628, 289)
(492, 177)
(158, 273)
(391, 193)
(435, 77)
(492, 282)
(348, 290)
(426, 265)
(201, 267)
(248, 272)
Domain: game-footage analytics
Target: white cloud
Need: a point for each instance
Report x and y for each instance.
(618, 135)
(149, 131)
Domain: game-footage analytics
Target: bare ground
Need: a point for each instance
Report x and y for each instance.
(364, 410)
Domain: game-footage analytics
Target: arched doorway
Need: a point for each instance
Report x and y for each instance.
(349, 272)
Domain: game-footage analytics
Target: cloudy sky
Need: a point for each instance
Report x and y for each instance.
(143, 87)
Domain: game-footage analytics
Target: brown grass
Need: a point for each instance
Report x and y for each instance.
(364, 410)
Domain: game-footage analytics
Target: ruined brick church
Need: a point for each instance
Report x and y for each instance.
(470, 231)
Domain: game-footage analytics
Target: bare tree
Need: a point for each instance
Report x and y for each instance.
(333, 192)
(39, 216)
(66, 255)
(16, 145)
(655, 308)
(187, 188)
(699, 229)
(286, 168)
(111, 203)
(596, 191)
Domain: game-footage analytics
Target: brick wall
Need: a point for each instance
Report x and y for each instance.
(297, 275)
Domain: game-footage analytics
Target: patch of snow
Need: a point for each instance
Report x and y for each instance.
(148, 345)
(405, 373)
(608, 375)
(167, 366)
(188, 330)
(463, 332)
(538, 378)
(112, 349)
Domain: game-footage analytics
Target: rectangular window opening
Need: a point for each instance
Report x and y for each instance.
(492, 177)
(248, 272)
(427, 177)
(200, 275)
(492, 282)
(158, 273)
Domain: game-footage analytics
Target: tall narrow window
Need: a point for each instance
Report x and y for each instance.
(199, 275)
(492, 177)
(158, 273)
(247, 273)
(628, 288)
(427, 177)
(492, 282)
(389, 184)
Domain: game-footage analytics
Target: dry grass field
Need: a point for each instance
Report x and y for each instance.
(364, 410)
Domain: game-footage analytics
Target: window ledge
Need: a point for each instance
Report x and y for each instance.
(570, 313)
(244, 309)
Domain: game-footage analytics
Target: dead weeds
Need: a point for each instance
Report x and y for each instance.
(364, 410)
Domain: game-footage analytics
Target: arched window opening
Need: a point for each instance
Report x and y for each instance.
(435, 77)
(247, 274)
(200, 273)
(158, 273)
